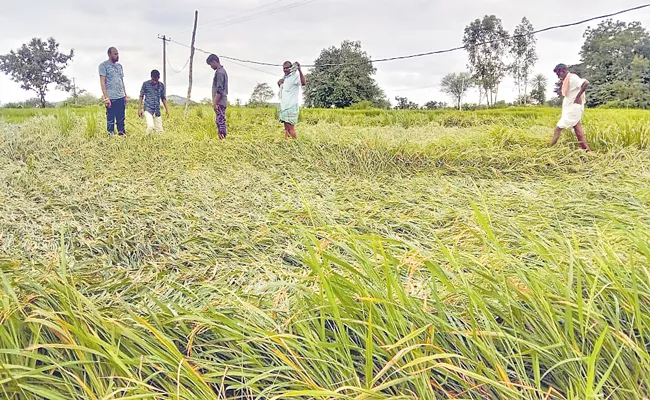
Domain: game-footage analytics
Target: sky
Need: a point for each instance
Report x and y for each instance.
(278, 30)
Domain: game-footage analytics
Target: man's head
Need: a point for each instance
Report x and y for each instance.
(113, 54)
(155, 76)
(287, 67)
(561, 70)
(213, 61)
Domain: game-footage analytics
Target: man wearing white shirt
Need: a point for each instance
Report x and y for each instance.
(573, 105)
(290, 97)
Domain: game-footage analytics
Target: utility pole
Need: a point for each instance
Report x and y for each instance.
(189, 88)
(164, 39)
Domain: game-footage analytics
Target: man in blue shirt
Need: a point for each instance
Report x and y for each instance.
(152, 93)
(111, 77)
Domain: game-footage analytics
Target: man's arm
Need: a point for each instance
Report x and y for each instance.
(102, 82)
(163, 98)
(215, 102)
(220, 84)
(582, 91)
(126, 100)
(303, 81)
(141, 101)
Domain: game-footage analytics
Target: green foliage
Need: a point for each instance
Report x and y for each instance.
(555, 102)
(539, 86)
(65, 121)
(362, 105)
(615, 61)
(37, 65)
(92, 125)
(486, 43)
(28, 104)
(524, 54)
(331, 84)
(405, 104)
(83, 100)
(456, 86)
(261, 95)
(434, 105)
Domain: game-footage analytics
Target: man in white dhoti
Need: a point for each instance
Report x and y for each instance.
(290, 97)
(573, 105)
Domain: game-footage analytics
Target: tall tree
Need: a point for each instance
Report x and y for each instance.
(262, 94)
(539, 87)
(37, 65)
(524, 53)
(608, 58)
(342, 76)
(456, 85)
(486, 43)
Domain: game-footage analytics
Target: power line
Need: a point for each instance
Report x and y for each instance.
(234, 62)
(228, 21)
(230, 16)
(413, 89)
(253, 68)
(182, 69)
(435, 52)
(267, 12)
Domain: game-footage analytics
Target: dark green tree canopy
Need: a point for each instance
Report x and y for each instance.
(614, 58)
(342, 76)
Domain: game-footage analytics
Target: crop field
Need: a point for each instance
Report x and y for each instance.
(382, 255)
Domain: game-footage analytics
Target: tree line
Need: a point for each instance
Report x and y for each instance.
(615, 57)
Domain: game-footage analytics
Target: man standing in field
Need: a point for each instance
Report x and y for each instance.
(573, 105)
(152, 93)
(290, 97)
(111, 78)
(219, 94)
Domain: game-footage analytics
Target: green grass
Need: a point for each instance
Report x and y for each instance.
(20, 115)
(382, 255)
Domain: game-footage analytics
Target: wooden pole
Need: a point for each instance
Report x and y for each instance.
(164, 39)
(189, 88)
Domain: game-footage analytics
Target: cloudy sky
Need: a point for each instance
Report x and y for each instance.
(249, 29)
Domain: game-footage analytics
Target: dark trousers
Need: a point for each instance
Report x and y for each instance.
(115, 114)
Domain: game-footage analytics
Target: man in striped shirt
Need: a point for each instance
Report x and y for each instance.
(152, 93)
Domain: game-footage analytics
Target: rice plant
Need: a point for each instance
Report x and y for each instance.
(382, 255)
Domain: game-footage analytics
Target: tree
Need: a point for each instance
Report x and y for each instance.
(523, 51)
(37, 65)
(405, 104)
(342, 76)
(82, 99)
(539, 86)
(608, 56)
(434, 105)
(262, 94)
(456, 86)
(486, 42)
